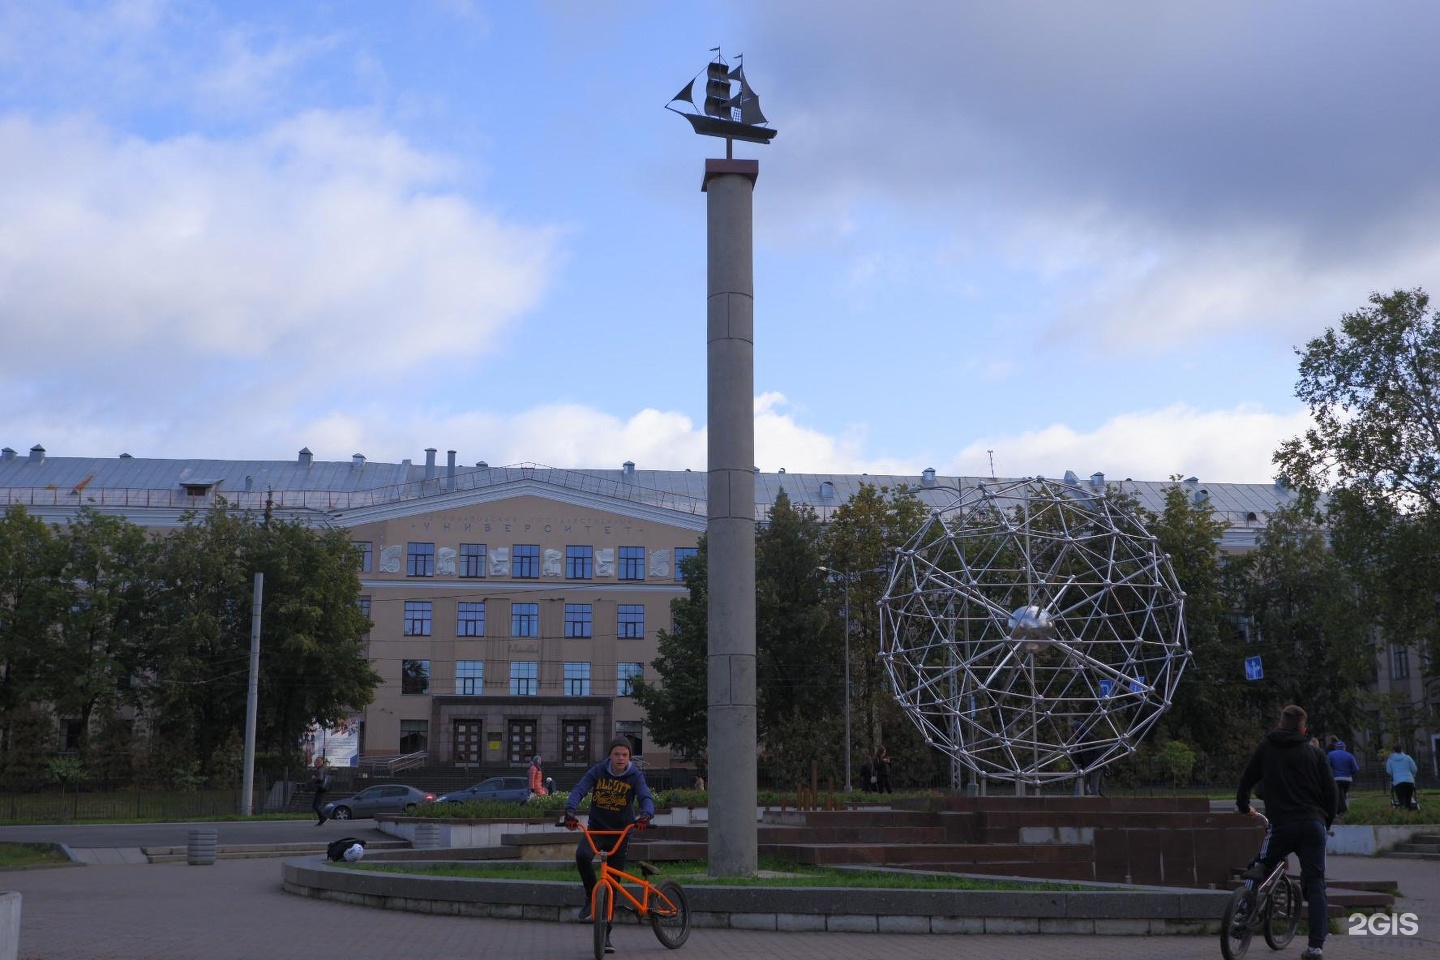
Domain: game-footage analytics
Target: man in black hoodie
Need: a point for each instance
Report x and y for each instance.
(1300, 798)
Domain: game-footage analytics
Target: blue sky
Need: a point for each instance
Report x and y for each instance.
(1065, 236)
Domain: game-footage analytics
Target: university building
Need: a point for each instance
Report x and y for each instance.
(514, 606)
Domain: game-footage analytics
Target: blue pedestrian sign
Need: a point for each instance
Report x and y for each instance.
(1107, 687)
(1253, 669)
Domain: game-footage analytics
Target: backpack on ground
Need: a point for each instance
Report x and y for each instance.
(348, 849)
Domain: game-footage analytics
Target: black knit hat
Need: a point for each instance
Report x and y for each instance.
(620, 742)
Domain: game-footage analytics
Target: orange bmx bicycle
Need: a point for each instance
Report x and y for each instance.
(663, 903)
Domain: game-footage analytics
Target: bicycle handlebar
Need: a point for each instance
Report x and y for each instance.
(619, 836)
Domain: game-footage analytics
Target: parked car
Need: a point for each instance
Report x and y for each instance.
(380, 798)
(514, 789)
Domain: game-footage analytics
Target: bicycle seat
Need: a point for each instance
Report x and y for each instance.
(647, 868)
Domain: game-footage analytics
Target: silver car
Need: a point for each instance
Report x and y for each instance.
(381, 798)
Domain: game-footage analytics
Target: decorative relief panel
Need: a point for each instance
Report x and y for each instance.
(499, 561)
(551, 566)
(605, 561)
(444, 561)
(390, 558)
(660, 563)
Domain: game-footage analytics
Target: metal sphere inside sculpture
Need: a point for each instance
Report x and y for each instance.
(1033, 630)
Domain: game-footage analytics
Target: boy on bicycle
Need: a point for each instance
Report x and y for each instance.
(1300, 799)
(615, 785)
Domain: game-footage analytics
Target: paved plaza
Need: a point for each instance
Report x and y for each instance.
(235, 910)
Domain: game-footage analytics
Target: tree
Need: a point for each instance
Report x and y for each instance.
(1373, 391)
(677, 708)
(799, 666)
(31, 603)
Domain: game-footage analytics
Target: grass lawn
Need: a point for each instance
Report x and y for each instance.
(29, 855)
(1372, 807)
(774, 873)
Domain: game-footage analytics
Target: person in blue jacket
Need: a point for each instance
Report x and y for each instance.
(616, 786)
(1402, 769)
(1343, 765)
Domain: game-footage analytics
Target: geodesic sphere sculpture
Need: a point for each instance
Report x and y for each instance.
(1033, 630)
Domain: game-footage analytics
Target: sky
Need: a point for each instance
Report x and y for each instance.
(1015, 238)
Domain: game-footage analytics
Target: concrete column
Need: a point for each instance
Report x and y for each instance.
(730, 531)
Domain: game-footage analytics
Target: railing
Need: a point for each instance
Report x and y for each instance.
(390, 765)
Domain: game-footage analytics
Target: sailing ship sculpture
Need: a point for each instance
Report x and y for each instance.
(730, 108)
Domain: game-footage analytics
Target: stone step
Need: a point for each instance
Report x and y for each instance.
(1042, 855)
(1410, 855)
(262, 850)
(1413, 847)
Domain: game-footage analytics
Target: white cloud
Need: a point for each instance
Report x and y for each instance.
(326, 244)
(1223, 446)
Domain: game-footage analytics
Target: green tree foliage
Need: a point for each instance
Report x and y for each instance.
(1313, 633)
(31, 601)
(800, 668)
(858, 544)
(1373, 390)
(677, 707)
(1212, 707)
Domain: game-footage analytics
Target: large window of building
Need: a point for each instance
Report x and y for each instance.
(577, 679)
(524, 619)
(575, 741)
(415, 677)
(420, 560)
(634, 731)
(579, 563)
(631, 624)
(470, 619)
(366, 550)
(472, 559)
(578, 621)
(625, 676)
(1399, 662)
(632, 563)
(525, 561)
(683, 553)
(417, 618)
(469, 677)
(524, 678)
(414, 736)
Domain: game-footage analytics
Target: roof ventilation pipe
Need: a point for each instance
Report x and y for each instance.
(449, 469)
(429, 463)
(7, 454)
(357, 461)
(627, 470)
(927, 477)
(37, 454)
(306, 457)
(1097, 480)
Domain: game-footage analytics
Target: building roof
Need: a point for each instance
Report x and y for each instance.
(305, 486)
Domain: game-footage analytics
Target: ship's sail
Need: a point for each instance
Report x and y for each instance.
(748, 100)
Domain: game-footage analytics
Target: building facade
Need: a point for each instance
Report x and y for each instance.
(513, 607)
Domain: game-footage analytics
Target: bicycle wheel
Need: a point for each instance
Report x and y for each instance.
(1237, 924)
(670, 914)
(602, 918)
(1283, 915)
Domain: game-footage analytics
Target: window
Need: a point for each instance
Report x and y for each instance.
(632, 563)
(575, 741)
(472, 559)
(625, 676)
(366, 549)
(417, 618)
(469, 677)
(577, 620)
(363, 605)
(420, 560)
(466, 741)
(524, 678)
(682, 554)
(631, 624)
(634, 731)
(524, 619)
(415, 677)
(414, 736)
(522, 740)
(579, 563)
(1399, 662)
(577, 679)
(470, 619)
(525, 563)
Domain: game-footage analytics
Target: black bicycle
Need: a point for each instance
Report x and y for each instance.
(1271, 906)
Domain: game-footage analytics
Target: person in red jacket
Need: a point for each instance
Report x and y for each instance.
(1298, 787)
(537, 776)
